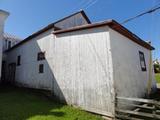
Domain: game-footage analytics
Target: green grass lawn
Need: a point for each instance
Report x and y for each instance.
(21, 104)
(157, 77)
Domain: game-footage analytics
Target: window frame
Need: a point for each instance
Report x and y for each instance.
(142, 59)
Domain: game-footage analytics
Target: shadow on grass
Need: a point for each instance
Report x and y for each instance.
(22, 104)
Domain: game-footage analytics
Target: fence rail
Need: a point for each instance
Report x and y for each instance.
(137, 108)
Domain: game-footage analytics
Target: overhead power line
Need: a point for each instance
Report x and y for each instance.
(81, 3)
(147, 12)
(91, 4)
(87, 3)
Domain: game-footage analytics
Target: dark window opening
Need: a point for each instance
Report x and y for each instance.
(41, 56)
(3, 72)
(142, 61)
(9, 44)
(41, 68)
(6, 43)
(19, 60)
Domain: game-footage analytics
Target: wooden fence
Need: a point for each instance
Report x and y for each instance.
(137, 109)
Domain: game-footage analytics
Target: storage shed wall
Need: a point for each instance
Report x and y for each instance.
(78, 68)
(130, 80)
(83, 69)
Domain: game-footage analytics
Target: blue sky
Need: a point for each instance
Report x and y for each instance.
(28, 16)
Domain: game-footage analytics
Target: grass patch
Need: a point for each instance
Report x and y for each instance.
(157, 77)
(20, 104)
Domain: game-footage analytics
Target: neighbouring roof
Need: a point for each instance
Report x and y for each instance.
(52, 25)
(115, 26)
(11, 37)
(5, 12)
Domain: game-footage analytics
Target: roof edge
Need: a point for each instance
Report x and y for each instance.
(111, 23)
(85, 16)
(124, 31)
(82, 27)
(115, 26)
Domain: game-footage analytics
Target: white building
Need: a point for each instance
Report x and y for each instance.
(9, 41)
(84, 64)
(3, 16)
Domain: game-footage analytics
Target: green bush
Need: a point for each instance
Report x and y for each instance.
(157, 68)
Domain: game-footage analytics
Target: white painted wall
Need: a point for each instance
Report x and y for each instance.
(130, 80)
(9, 38)
(27, 74)
(3, 16)
(77, 64)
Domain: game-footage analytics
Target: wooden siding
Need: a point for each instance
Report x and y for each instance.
(83, 69)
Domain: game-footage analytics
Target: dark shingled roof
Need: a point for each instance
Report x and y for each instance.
(49, 27)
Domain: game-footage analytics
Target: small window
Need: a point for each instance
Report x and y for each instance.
(19, 60)
(9, 44)
(41, 56)
(41, 68)
(142, 61)
(6, 43)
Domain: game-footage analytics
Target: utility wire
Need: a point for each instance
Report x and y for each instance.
(87, 3)
(152, 28)
(147, 12)
(155, 6)
(80, 4)
(94, 2)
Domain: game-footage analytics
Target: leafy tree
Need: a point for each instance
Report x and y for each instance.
(156, 67)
